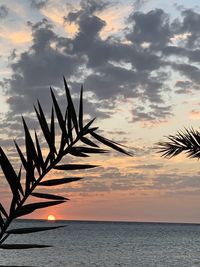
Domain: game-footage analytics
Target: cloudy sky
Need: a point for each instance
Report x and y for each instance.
(139, 64)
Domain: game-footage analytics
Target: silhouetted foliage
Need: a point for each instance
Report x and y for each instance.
(187, 141)
(35, 166)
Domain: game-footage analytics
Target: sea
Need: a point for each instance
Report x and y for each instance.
(106, 244)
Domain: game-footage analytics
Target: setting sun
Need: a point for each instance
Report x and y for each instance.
(51, 217)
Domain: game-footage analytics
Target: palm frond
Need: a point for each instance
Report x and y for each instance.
(71, 106)
(60, 181)
(48, 196)
(35, 166)
(186, 141)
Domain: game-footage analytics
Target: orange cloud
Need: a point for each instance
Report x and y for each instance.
(55, 13)
(180, 37)
(194, 114)
(18, 37)
(114, 18)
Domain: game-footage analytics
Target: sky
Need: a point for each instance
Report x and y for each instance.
(138, 62)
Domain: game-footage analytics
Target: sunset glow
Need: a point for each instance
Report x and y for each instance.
(51, 217)
(139, 63)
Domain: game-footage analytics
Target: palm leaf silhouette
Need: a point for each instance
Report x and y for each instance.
(36, 166)
(186, 141)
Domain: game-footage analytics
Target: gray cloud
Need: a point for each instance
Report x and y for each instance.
(135, 66)
(38, 4)
(189, 71)
(111, 179)
(175, 50)
(38, 68)
(189, 24)
(3, 11)
(139, 3)
(109, 68)
(156, 113)
(185, 87)
(152, 27)
(176, 182)
(148, 166)
(88, 8)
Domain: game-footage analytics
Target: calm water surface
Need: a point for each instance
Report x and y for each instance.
(107, 244)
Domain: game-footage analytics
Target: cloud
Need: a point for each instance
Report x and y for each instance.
(20, 37)
(115, 16)
(3, 11)
(191, 72)
(178, 182)
(152, 27)
(38, 4)
(155, 114)
(189, 25)
(184, 87)
(148, 166)
(194, 114)
(136, 180)
(134, 65)
(139, 3)
(91, 6)
(38, 68)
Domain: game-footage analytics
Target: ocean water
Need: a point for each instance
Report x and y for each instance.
(107, 244)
